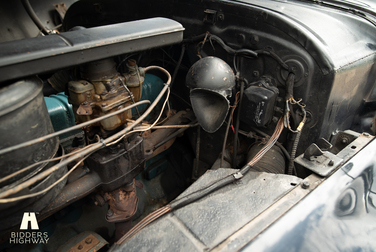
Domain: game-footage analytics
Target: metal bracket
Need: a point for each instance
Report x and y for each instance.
(321, 161)
(322, 164)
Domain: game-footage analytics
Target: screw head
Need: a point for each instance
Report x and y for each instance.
(88, 240)
(344, 140)
(305, 184)
(80, 247)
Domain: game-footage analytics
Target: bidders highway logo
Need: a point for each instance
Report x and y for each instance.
(28, 237)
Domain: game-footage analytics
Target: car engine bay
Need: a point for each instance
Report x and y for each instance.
(171, 125)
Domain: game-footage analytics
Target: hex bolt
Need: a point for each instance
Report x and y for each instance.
(331, 163)
(80, 247)
(254, 40)
(305, 185)
(99, 200)
(88, 240)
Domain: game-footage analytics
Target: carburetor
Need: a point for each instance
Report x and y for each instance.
(103, 90)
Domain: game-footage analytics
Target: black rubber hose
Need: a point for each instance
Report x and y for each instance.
(34, 16)
(234, 164)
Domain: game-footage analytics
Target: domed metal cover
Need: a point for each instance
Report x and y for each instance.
(211, 81)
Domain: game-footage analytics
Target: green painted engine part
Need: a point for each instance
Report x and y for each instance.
(61, 114)
(150, 89)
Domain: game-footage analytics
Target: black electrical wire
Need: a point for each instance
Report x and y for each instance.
(233, 107)
(244, 52)
(243, 82)
(34, 16)
(194, 39)
(274, 56)
(178, 65)
(225, 141)
(231, 50)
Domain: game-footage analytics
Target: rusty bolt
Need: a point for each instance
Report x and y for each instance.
(109, 213)
(80, 247)
(331, 163)
(305, 185)
(88, 240)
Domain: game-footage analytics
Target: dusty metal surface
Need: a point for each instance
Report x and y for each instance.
(118, 164)
(84, 242)
(81, 46)
(211, 220)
